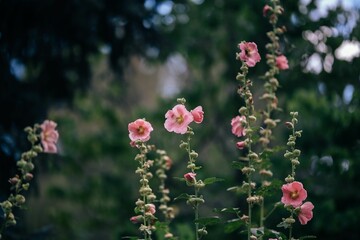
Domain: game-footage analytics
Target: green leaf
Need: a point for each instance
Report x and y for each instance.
(212, 180)
(227, 210)
(308, 237)
(208, 221)
(179, 179)
(233, 225)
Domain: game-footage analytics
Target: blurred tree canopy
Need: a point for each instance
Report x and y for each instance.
(48, 53)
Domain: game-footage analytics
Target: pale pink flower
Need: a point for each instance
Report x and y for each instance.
(241, 145)
(249, 53)
(237, 126)
(198, 114)
(282, 62)
(168, 162)
(306, 213)
(190, 177)
(293, 194)
(150, 208)
(49, 136)
(178, 119)
(139, 130)
(266, 10)
(136, 219)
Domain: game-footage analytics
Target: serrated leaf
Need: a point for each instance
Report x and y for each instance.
(212, 180)
(182, 196)
(208, 221)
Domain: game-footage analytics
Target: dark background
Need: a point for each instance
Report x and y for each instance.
(94, 66)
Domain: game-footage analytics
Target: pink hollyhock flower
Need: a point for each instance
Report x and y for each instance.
(293, 194)
(249, 53)
(282, 62)
(178, 119)
(237, 124)
(190, 177)
(136, 219)
(198, 114)
(241, 145)
(139, 130)
(150, 208)
(266, 10)
(306, 213)
(49, 136)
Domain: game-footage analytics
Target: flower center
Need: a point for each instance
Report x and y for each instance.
(141, 130)
(180, 119)
(294, 195)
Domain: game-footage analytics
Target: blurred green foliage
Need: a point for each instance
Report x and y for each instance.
(89, 192)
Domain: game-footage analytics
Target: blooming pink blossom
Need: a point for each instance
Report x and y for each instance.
(282, 62)
(198, 114)
(49, 136)
(139, 130)
(293, 194)
(150, 208)
(306, 213)
(249, 53)
(266, 10)
(241, 145)
(190, 177)
(178, 119)
(237, 124)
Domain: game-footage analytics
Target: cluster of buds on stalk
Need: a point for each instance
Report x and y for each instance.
(144, 205)
(164, 163)
(43, 138)
(276, 62)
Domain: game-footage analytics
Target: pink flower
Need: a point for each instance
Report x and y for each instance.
(237, 124)
(190, 177)
(306, 213)
(139, 130)
(282, 62)
(178, 119)
(249, 53)
(241, 145)
(198, 114)
(293, 194)
(49, 136)
(150, 208)
(136, 219)
(266, 10)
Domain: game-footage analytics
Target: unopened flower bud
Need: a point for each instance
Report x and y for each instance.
(298, 133)
(14, 180)
(199, 184)
(37, 148)
(202, 232)
(20, 199)
(181, 100)
(265, 172)
(21, 163)
(151, 197)
(252, 118)
(289, 125)
(295, 161)
(183, 145)
(289, 179)
(168, 235)
(288, 154)
(291, 143)
(139, 203)
(25, 186)
(270, 123)
(253, 156)
(296, 152)
(243, 111)
(28, 176)
(194, 154)
(247, 170)
(289, 220)
(252, 237)
(240, 77)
